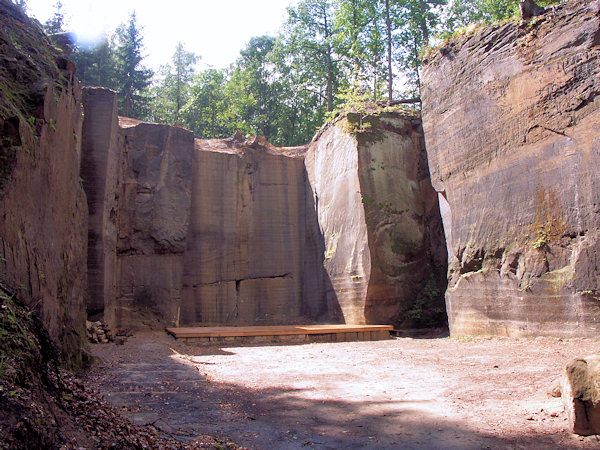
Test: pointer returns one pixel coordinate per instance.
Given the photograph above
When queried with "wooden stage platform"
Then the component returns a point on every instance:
(281, 334)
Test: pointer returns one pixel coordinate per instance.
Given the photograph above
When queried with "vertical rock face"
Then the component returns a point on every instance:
(511, 118)
(99, 171)
(378, 215)
(153, 220)
(251, 247)
(234, 232)
(43, 230)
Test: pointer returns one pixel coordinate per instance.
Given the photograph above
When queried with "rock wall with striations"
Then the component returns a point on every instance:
(511, 116)
(43, 225)
(253, 251)
(239, 232)
(100, 164)
(379, 217)
(153, 215)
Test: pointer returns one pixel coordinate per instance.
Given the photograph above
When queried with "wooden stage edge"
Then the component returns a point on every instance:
(280, 334)
(273, 330)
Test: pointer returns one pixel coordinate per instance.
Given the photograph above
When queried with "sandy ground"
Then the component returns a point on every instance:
(441, 393)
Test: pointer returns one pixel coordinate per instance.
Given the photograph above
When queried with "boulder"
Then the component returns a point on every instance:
(511, 117)
(580, 389)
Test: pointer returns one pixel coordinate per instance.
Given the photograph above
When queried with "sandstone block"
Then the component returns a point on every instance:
(43, 230)
(580, 388)
(100, 164)
(379, 218)
(153, 219)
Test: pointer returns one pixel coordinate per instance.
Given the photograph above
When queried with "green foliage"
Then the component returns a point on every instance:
(172, 92)
(16, 343)
(427, 310)
(55, 24)
(97, 65)
(541, 240)
(362, 116)
(132, 78)
(205, 112)
(461, 13)
(330, 57)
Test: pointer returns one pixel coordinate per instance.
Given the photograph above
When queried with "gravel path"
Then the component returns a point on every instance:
(401, 393)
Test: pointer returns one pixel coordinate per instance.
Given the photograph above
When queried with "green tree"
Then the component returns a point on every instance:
(461, 13)
(96, 65)
(306, 44)
(131, 77)
(172, 92)
(415, 21)
(55, 24)
(351, 19)
(254, 74)
(205, 113)
(364, 30)
(389, 46)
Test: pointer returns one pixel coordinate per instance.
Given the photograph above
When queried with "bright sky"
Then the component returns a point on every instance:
(214, 29)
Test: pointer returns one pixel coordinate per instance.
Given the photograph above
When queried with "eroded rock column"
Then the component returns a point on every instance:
(100, 174)
(379, 218)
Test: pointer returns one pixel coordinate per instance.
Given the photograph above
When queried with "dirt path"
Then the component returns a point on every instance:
(401, 393)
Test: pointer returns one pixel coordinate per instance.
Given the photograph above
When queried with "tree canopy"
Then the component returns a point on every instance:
(327, 52)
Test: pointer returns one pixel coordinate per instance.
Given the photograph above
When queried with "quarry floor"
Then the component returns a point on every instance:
(441, 393)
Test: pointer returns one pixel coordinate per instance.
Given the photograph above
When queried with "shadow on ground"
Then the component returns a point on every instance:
(153, 381)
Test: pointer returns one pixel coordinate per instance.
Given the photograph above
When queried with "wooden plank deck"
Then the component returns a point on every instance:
(272, 330)
(284, 334)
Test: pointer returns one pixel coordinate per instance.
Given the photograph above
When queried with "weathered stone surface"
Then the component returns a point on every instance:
(253, 252)
(376, 209)
(100, 164)
(580, 389)
(43, 226)
(153, 219)
(511, 125)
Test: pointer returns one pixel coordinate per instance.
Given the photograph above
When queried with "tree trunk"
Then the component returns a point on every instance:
(388, 24)
(329, 88)
(424, 30)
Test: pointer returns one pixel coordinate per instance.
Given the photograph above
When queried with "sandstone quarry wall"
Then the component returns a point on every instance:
(153, 219)
(247, 247)
(43, 230)
(379, 218)
(100, 175)
(511, 118)
(239, 232)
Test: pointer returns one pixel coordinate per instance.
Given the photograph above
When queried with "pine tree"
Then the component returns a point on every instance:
(55, 23)
(96, 66)
(173, 91)
(131, 77)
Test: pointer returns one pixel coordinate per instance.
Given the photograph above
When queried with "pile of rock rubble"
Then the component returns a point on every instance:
(100, 333)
